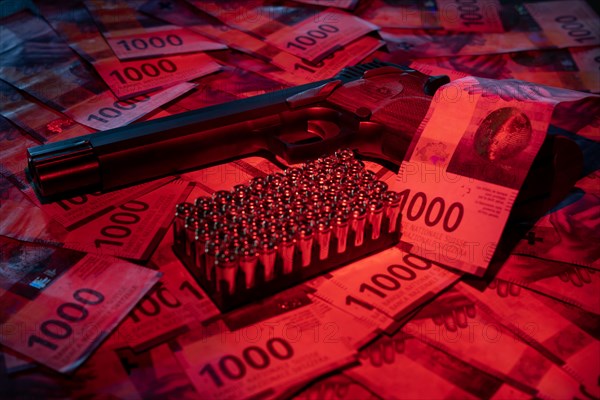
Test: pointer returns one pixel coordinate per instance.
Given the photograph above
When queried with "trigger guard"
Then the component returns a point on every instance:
(327, 129)
(294, 153)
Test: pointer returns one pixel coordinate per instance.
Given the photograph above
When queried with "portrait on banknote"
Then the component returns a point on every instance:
(492, 153)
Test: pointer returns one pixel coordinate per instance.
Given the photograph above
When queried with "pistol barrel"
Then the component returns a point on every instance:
(135, 153)
(138, 152)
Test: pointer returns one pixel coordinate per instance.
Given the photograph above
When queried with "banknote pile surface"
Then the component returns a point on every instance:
(473, 303)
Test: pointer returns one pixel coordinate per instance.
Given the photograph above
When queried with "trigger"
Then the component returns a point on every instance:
(313, 95)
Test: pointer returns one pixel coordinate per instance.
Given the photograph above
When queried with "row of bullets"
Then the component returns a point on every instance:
(284, 221)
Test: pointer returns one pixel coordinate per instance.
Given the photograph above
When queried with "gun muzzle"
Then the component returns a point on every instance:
(64, 167)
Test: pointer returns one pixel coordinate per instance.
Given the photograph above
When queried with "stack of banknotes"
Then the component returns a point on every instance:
(471, 304)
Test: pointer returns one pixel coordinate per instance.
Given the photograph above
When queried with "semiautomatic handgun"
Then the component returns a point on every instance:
(373, 109)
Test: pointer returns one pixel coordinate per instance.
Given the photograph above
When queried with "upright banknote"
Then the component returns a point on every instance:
(466, 164)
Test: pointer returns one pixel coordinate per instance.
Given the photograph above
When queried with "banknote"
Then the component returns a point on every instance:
(335, 387)
(426, 372)
(571, 68)
(123, 373)
(302, 343)
(398, 14)
(569, 283)
(538, 25)
(39, 382)
(39, 121)
(43, 66)
(245, 61)
(128, 78)
(133, 229)
(11, 361)
(200, 96)
(34, 59)
(13, 145)
(240, 82)
(170, 308)
(586, 126)
(267, 59)
(451, 15)
(107, 111)
(483, 171)
(101, 112)
(345, 4)
(116, 15)
(345, 56)
(131, 34)
(539, 323)
(476, 16)
(110, 373)
(392, 283)
(181, 13)
(21, 220)
(160, 42)
(76, 211)
(456, 324)
(425, 67)
(130, 230)
(569, 233)
(58, 305)
(308, 33)
(298, 72)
